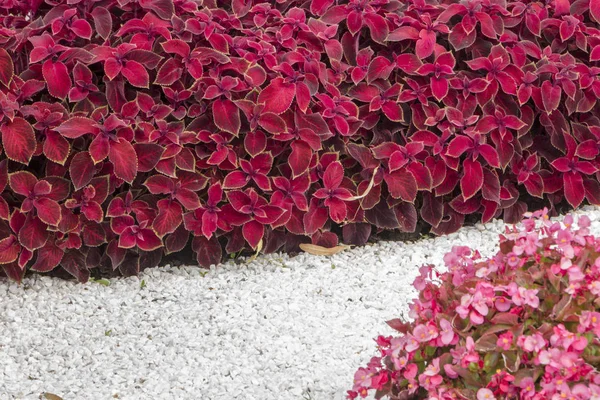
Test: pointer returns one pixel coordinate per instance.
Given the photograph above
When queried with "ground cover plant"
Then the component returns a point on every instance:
(131, 128)
(523, 324)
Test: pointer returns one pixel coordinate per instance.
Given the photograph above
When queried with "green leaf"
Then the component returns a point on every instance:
(103, 281)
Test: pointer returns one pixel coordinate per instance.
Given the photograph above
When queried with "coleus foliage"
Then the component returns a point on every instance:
(130, 127)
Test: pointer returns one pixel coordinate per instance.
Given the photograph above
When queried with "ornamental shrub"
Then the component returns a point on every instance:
(523, 324)
(130, 126)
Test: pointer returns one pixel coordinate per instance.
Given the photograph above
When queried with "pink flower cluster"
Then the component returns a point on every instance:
(523, 324)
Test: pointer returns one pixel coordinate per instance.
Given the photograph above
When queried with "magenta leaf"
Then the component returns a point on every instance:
(18, 139)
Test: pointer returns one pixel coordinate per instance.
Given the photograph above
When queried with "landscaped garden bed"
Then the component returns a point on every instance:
(136, 133)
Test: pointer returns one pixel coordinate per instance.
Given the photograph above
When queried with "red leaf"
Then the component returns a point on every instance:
(76, 127)
(278, 96)
(208, 251)
(408, 63)
(460, 39)
(74, 263)
(160, 184)
(82, 28)
(402, 185)
(300, 157)
(169, 217)
(315, 218)
(148, 241)
(177, 241)
(425, 45)
(81, 169)
(574, 188)
(393, 111)
(272, 123)
(595, 10)
(163, 8)
(550, 96)
(93, 211)
(22, 182)
(377, 26)
(332, 178)
(47, 210)
(102, 21)
(169, 72)
(124, 158)
(337, 209)
(472, 179)
(379, 68)
(356, 233)
(406, 214)
(57, 78)
(255, 142)
(136, 74)
(56, 148)
(253, 232)
(226, 116)
(148, 155)
(9, 249)
(235, 180)
(188, 199)
(33, 234)
(6, 67)
(432, 209)
(19, 141)
(48, 258)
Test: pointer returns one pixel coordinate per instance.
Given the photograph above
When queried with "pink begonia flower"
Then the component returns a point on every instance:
(513, 260)
(578, 392)
(584, 221)
(424, 275)
(485, 394)
(412, 344)
(581, 392)
(379, 380)
(425, 333)
(410, 374)
(362, 378)
(505, 340)
(527, 386)
(594, 392)
(529, 297)
(532, 343)
(400, 363)
(568, 221)
(573, 288)
(564, 239)
(448, 334)
(594, 287)
(566, 339)
(589, 320)
(521, 296)
(479, 303)
(575, 274)
(528, 245)
(450, 371)
(429, 383)
(397, 345)
(502, 304)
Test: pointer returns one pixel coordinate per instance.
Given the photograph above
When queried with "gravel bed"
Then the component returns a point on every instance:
(276, 328)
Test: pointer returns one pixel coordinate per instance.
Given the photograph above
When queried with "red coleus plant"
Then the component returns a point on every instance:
(232, 122)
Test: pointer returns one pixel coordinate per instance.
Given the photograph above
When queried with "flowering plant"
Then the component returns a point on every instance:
(523, 324)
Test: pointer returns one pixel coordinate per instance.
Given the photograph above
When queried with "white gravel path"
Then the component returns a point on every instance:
(277, 328)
